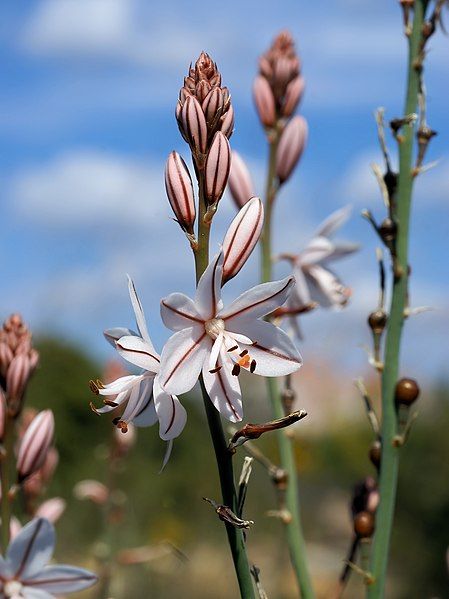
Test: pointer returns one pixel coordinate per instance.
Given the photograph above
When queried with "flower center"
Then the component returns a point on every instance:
(214, 327)
(13, 588)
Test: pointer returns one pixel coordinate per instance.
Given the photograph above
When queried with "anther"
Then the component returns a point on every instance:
(244, 352)
(94, 387)
(215, 370)
(111, 403)
(116, 421)
(123, 426)
(236, 370)
(252, 367)
(233, 348)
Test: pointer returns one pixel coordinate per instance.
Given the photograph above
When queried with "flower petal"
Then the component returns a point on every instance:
(326, 288)
(121, 384)
(139, 352)
(138, 312)
(207, 296)
(118, 401)
(35, 593)
(179, 312)
(171, 413)
(223, 389)
(300, 295)
(343, 249)
(32, 548)
(319, 248)
(61, 579)
(114, 334)
(146, 416)
(137, 400)
(334, 222)
(182, 359)
(257, 302)
(274, 351)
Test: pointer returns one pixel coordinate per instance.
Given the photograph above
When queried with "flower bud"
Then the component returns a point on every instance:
(35, 444)
(179, 188)
(213, 106)
(264, 100)
(364, 525)
(17, 378)
(194, 125)
(52, 509)
(227, 122)
(406, 392)
(218, 164)
(293, 95)
(6, 356)
(240, 183)
(93, 490)
(2, 414)
(241, 237)
(291, 146)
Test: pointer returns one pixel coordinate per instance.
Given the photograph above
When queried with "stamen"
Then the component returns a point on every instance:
(215, 370)
(244, 352)
(255, 343)
(244, 361)
(233, 348)
(116, 420)
(252, 367)
(94, 387)
(99, 384)
(236, 370)
(111, 403)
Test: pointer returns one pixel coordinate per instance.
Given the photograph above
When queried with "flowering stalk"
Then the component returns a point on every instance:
(293, 527)
(401, 214)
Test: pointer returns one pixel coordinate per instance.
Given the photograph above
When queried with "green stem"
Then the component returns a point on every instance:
(222, 455)
(295, 536)
(5, 473)
(390, 454)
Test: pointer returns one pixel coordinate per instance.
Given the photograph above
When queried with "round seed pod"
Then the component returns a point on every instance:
(406, 392)
(388, 229)
(377, 321)
(364, 525)
(375, 452)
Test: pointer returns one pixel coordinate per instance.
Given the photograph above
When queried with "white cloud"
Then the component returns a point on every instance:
(91, 188)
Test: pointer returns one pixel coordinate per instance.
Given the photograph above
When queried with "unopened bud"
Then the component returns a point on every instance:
(2, 414)
(240, 183)
(17, 378)
(377, 321)
(387, 231)
(179, 188)
(6, 355)
(364, 525)
(241, 237)
(213, 106)
(264, 100)
(293, 95)
(52, 509)
(406, 392)
(194, 125)
(218, 164)
(92, 490)
(35, 444)
(291, 147)
(227, 122)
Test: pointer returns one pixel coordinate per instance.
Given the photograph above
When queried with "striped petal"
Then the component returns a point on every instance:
(32, 548)
(139, 352)
(171, 413)
(61, 579)
(179, 312)
(207, 296)
(318, 249)
(138, 312)
(223, 389)
(146, 415)
(182, 359)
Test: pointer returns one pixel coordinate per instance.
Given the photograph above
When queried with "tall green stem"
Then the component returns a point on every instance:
(5, 472)
(295, 536)
(390, 453)
(222, 455)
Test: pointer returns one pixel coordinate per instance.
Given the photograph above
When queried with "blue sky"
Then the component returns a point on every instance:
(86, 122)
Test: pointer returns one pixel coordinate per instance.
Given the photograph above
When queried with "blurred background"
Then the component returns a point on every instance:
(88, 90)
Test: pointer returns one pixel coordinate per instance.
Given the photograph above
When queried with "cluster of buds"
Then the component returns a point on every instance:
(18, 360)
(206, 121)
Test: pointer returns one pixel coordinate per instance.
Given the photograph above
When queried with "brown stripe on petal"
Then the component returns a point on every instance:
(225, 392)
(138, 351)
(277, 354)
(181, 313)
(185, 356)
(266, 299)
(27, 552)
(173, 415)
(49, 581)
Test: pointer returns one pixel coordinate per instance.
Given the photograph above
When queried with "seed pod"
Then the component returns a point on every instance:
(406, 392)
(377, 321)
(387, 230)
(240, 183)
(293, 95)
(194, 125)
(179, 188)
(375, 453)
(241, 237)
(35, 444)
(218, 164)
(264, 100)
(291, 147)
(364, 525)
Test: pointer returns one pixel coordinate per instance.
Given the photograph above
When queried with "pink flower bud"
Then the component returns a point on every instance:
(264, 100)
(35, 444)
(227, 122)
(291, 146)
(213, 105)
(293, 95)
(194, 124)
(17, 378)
(178, 185)
(123, 443)
(93, 490)
(6, 356)
(218, 164)
(52, 509)
(240, 183)
(2, 413)
(241, 237)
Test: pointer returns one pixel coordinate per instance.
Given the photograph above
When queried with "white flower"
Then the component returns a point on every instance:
(220, 341)
(24, 572)
(315, 282)
(144, 400)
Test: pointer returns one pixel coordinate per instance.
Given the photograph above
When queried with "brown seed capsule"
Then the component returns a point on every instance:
(377, 321)
(388, 230)
(375, 453)
(364, 525)
(406, 392)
